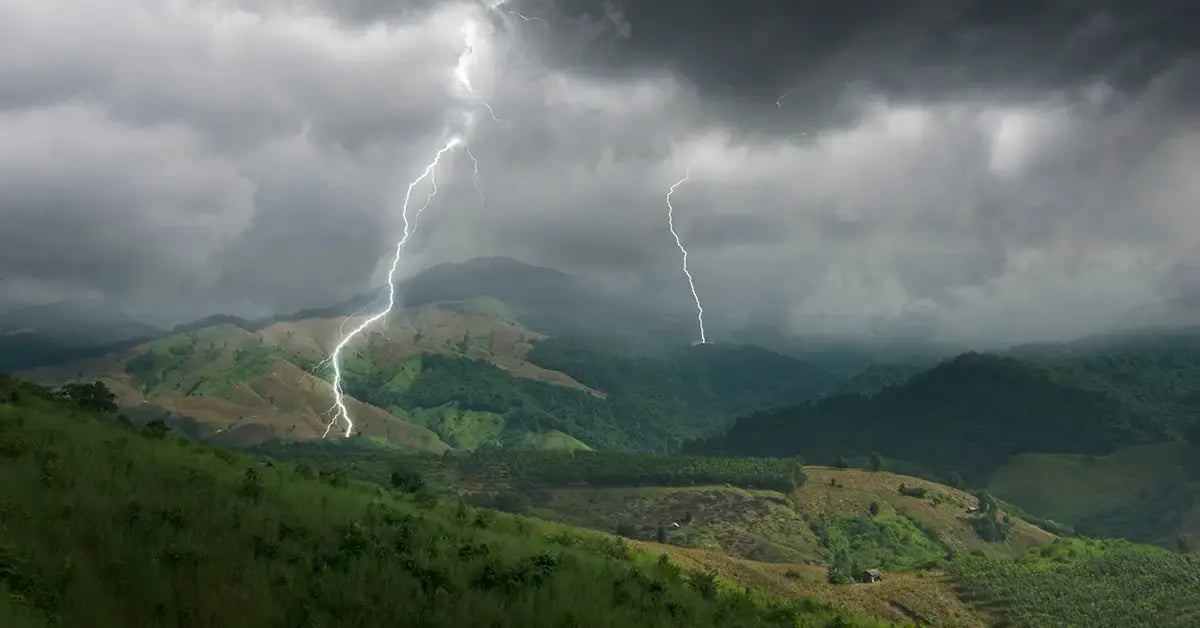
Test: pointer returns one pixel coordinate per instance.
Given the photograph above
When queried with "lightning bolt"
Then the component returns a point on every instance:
(339, 410)
(779, 101)
(671, 225)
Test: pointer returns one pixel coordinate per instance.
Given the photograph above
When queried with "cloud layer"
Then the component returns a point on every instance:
(252, 156)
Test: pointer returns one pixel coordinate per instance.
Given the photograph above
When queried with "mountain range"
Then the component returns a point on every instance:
(494, 353)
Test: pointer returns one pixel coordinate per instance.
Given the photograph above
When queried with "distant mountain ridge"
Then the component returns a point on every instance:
(487, 353)
(966, 416)
(64, 330)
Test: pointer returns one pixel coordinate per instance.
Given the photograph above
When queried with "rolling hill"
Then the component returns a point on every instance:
(64, 330)
(459, 374)
(965, 416)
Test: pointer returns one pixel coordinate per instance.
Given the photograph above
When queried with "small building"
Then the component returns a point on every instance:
(871, 575)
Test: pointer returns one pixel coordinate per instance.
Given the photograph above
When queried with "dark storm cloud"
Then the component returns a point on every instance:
(819, 55)
(978, 170)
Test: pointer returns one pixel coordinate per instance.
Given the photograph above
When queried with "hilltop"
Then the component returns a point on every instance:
(440, 374)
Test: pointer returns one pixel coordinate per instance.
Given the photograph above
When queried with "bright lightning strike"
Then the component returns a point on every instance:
(691, 283)
(339, 410)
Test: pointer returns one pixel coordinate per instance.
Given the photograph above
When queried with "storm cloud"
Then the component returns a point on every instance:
(952, 169)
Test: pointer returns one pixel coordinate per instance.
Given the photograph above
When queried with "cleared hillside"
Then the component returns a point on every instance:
(460, 374)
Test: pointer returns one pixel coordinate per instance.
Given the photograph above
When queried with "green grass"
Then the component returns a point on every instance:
(106, 525)
(206, 362)
(1140, 493)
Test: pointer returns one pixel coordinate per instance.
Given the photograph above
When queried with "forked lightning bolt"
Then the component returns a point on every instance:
(671, 225)
(339, 410)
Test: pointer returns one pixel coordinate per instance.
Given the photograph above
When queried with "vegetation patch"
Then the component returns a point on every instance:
(1086, 583)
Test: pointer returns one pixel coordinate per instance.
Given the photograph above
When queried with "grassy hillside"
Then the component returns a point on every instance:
(926, 598)
(462, 374)
(1148, 493)
(1086, 583)
(966, 416)
(105, 524)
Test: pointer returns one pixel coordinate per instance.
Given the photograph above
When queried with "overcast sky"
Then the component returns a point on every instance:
(956, 169)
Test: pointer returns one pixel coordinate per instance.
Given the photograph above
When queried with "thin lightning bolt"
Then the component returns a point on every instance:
(338, 410)
(671, 225)
(779, 101)
(475, 175)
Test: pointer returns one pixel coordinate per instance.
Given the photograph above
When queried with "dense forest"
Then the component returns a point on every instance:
(110, 524)
(651, 403)
(964, 416)
(1156, 374)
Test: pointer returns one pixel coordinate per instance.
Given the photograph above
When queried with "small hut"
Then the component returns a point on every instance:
(871, 575)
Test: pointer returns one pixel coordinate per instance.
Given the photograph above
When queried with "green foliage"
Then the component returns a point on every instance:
(876, 461)
(887, 541)
(103, 527)
(1155, 374)
(969, 414)
(650, 404)
(1087, 583)
(95, 396)
(912, 491)
(407, 480)
(720, 381)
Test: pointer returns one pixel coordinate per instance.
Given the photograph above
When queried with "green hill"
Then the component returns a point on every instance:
(965, 416)
(877, 377)
(1149, 493)
(459, 374)
(109, 525)
(1155, 373)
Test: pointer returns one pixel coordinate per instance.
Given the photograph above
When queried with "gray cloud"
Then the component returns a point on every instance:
(952, 170)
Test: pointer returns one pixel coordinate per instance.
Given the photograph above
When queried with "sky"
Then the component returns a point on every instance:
(943, 169)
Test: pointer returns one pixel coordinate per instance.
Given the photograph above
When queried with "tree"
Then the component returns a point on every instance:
(626, 529)
(841, 463)
(660, 534)
(876, 461)
(95, 396)
(987, 503)
(407, 481)
(874, 508)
